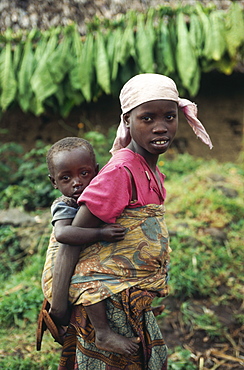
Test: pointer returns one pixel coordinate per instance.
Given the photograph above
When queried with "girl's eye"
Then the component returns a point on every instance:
(65, 178)
(146, 118)
(84, 173)
(170, 117)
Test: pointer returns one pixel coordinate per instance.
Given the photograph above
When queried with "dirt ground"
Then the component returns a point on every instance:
(221, 352)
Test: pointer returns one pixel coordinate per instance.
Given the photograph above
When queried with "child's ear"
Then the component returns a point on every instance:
(126, 119)
(97, 168)
(53, 181)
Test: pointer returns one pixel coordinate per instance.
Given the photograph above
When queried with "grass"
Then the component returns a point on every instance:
(18, 350)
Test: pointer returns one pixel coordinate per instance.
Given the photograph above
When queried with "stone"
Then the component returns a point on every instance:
(16, 217)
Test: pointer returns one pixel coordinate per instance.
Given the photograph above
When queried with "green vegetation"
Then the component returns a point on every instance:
(205, 215)
(58, 68)
(25, 180)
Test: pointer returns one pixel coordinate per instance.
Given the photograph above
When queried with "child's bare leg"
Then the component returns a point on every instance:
(105, 338)
(66, 259)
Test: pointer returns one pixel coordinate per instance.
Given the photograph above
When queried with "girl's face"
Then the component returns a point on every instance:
(153, 126)
(73, 171)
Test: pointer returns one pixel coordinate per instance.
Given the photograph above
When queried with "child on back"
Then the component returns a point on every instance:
(72, 165)
(130, 190)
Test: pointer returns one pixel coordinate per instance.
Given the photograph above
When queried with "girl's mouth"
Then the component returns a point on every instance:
(160, 142)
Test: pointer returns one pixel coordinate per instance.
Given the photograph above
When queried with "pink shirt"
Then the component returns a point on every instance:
(110, 192)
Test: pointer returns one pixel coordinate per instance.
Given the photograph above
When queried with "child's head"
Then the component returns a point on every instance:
(149, 87)
(72, 165)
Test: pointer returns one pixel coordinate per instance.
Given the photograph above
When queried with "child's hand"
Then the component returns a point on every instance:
(113, 232)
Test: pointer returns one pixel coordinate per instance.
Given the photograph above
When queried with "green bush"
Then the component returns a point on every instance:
(21, 294)
(20, 307)
(29, 186)
(25, 180)
(11, 157)
(101, 144)
(180, 165)
(10, 252)
(201, 263)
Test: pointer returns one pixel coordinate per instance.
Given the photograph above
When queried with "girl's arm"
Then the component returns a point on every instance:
(93, 231)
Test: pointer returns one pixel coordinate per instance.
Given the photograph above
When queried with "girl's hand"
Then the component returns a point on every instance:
(112, 233)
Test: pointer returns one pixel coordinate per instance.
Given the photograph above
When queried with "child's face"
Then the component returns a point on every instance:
(153, 126)
(73, 171)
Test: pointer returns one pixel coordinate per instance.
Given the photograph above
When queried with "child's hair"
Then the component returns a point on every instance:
(68, 144)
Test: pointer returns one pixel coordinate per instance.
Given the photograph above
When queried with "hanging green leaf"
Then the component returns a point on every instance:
(234, 28)
(225, 65)
(113, 44)
(218, 43)
(127, 44)
(149, 26)
(75, 51)
(196, 33)
(59, 68)
(195, 82)
(72, 98)
(25, 72)
(59, 61)
(206, 29)
(82, 74)
(164, 53)
(17, 55)
(144, 46)
(41, 82)
(102, 64)
(7, 78)
(60, 95)
(187, 63)
(41, 45)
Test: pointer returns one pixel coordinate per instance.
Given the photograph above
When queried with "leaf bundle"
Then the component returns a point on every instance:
(58, 68)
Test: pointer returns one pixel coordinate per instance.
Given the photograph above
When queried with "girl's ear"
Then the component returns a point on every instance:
(53, 181)
(126, 118)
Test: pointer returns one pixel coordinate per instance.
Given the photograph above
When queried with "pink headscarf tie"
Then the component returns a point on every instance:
(147, 87)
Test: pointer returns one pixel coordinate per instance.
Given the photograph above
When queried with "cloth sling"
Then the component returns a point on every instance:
(105, 269)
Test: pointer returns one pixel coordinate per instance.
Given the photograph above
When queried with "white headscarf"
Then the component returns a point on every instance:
(147, 87)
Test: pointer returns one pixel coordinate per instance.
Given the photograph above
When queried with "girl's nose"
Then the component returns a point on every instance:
(160, 127)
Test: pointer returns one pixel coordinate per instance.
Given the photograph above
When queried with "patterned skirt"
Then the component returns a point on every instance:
(129, 314)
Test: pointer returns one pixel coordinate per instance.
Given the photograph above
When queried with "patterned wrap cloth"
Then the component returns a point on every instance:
(105, 269)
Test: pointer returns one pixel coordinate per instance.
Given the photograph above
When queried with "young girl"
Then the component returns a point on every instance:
(129, 190)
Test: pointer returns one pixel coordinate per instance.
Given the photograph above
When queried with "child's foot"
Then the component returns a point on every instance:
(61, 322)
(113, 342)
(62, 330)
(57, 331)
(60, 318)
(158, 310)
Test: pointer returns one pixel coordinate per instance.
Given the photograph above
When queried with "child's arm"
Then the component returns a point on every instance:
(66, 233)
(67, 257)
